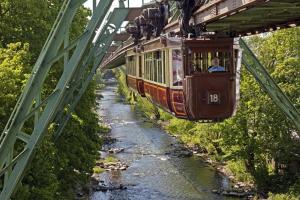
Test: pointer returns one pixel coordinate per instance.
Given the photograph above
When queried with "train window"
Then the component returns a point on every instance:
(150, 59)
(154, 67)
(201, 61)
(140, 66)
(164, 67)
(177, 68)
(158, 61)
(147, 63)
(131, 66)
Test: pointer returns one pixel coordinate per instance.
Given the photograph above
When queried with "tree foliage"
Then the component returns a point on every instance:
(14, 62)
(260, 134)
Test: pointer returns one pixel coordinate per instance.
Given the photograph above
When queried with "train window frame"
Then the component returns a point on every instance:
(223, 53)
(167, 68)
(199, 60)
(139, 66)
(163, 66)
(130, 65)
(154, 67)
(171, 68)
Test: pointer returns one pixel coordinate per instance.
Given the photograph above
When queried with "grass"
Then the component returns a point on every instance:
(110, 159)
(98, 170)
(282, 197)
(238, 169)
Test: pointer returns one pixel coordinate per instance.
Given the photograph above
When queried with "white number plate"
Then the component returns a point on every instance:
(214, 98)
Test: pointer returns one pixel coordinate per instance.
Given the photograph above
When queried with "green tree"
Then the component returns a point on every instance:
(14, 62)
(57, 165)
(260, 132)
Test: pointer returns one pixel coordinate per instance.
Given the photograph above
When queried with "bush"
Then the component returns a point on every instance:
(238, 169)
(282, 197)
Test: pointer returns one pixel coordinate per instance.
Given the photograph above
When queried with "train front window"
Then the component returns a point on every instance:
(205, 61)
(177, 67)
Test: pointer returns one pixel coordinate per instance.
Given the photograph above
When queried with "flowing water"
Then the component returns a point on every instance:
(151, 174)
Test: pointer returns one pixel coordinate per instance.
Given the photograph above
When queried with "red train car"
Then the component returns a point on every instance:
(196, 79)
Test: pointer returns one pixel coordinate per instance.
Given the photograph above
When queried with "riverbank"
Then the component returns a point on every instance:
(181, 130)
(141, 161)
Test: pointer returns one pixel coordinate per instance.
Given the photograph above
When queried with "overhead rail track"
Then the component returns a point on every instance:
(245, 17)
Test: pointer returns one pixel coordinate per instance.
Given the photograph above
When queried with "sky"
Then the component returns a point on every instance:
(132, 3)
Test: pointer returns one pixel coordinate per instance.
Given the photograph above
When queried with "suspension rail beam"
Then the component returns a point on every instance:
(262, 76)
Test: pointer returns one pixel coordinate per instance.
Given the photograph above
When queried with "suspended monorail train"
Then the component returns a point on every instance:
(175, 73)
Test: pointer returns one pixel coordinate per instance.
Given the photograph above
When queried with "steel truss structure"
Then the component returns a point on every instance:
(17, 145)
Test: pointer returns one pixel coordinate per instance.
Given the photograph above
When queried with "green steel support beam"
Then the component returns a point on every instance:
(174, 12)
(99, 50)
(268, 84)
(94, 5)
(13, 163)
(25, 102)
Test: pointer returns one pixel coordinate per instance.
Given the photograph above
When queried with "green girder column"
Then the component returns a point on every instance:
(96, 55)
(174, 12)
(13, 161)
(253, 65)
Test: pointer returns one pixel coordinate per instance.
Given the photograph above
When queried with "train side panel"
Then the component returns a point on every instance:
(158, 94)
(140, 87)
(177, 103)
(132, 83)
(210, 96)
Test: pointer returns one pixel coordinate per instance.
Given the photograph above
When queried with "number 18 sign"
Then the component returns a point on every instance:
(214, 98)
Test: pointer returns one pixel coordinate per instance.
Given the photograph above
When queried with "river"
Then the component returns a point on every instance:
(151, 174)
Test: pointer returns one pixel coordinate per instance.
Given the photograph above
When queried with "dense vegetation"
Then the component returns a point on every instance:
(259, 144)
(61, 167)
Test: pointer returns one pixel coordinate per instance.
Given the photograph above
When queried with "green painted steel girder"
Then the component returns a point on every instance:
(105, 39)
(13, 163)
(262, 76)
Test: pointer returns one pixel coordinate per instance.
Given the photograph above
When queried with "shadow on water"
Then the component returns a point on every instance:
(152, 174)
